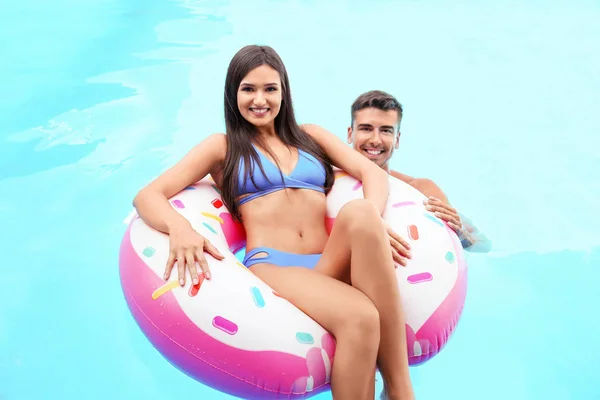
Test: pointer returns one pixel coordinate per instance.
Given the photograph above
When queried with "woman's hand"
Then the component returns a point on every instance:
(187, 248)
(400, 247)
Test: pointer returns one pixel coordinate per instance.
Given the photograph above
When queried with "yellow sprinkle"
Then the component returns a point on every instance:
(215, 217)
(241, 265)
(164, 289)
(339, 175)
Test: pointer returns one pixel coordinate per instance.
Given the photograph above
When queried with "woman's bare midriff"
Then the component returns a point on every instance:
(290, 220)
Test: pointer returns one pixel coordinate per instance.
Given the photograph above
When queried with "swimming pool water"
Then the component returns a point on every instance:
(500, 110)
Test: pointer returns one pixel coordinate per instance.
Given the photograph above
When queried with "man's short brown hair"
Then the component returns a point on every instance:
(376, 99)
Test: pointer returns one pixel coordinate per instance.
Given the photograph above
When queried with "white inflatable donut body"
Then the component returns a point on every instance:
(235, 334)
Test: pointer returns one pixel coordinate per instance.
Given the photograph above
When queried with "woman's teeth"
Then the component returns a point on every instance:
(259, 110)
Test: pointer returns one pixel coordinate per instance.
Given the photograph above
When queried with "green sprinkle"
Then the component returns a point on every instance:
(149, 251)
(304, 338)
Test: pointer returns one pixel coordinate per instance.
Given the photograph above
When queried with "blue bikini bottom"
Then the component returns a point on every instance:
(271, 256)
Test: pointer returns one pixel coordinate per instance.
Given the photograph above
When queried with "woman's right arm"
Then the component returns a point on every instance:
(186, 246)
(152, 202)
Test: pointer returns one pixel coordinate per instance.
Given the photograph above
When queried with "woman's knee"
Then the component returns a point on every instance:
(361, 325)
(360, 218)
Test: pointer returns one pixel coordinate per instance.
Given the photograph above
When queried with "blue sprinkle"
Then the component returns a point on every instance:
(190, 188)
(304, 338)
(434, 219)
(216, 189)
(209, 227)
(257, 296)
(449, 257)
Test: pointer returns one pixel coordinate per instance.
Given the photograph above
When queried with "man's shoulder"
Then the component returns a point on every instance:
(403, 177)
(411, 180)
(424, 185)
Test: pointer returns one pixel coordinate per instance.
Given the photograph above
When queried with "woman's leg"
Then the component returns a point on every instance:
(359, 241)
(345, 312)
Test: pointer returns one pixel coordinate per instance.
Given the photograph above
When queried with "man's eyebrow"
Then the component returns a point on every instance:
(370, 126)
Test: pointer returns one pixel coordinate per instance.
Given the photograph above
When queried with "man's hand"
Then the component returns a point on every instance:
(444, 212)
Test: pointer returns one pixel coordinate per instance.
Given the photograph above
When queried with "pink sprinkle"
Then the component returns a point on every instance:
(357, 186)
(421, 277)
(404, 203)
(178, 204)
(225, 325)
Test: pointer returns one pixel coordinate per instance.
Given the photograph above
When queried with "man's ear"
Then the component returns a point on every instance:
(349, 135)
(397, 141)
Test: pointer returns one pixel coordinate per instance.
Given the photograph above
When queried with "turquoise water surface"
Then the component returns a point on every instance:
(501, 110)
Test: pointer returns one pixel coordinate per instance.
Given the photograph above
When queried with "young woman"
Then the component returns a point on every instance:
(274, 176)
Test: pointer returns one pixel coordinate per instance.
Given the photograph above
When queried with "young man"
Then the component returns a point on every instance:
(375, 133)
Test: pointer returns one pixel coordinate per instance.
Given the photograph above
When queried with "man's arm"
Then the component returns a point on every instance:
(470, 237)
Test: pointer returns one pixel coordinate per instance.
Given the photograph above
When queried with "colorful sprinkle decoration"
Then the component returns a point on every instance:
(178, 204)
(213, 216)
(304, 338)
(209, 227)
(434, 219)
(149, 251)
(194, 289)
(404, 204)
(413, 232)
(420, 277)
(225, 325)
(259, 301)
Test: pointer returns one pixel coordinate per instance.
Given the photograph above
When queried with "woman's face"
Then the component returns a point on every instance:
(259, 96)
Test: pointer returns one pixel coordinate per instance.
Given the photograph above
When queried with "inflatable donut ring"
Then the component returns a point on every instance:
(235, 334)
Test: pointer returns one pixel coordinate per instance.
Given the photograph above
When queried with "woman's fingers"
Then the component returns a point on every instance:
(190, 260)
(205, 270)
(181, 266)
(212, 250)
(398, 259)
(170, 265)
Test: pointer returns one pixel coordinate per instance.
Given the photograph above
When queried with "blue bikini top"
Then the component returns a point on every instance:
(307, 174)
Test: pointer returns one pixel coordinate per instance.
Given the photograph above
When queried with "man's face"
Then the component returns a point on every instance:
(375, 134)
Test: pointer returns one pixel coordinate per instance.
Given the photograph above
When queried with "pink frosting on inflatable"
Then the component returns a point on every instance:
(247, 374)
(234, 232)
(436, 331)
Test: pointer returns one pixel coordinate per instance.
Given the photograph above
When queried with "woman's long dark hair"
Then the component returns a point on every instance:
(241, 133)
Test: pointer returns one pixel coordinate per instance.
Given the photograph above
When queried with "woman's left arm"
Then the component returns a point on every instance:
(374, 179)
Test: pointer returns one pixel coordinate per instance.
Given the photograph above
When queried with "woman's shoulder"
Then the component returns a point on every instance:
(216, 143)
(218, 138)
(212, 150)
